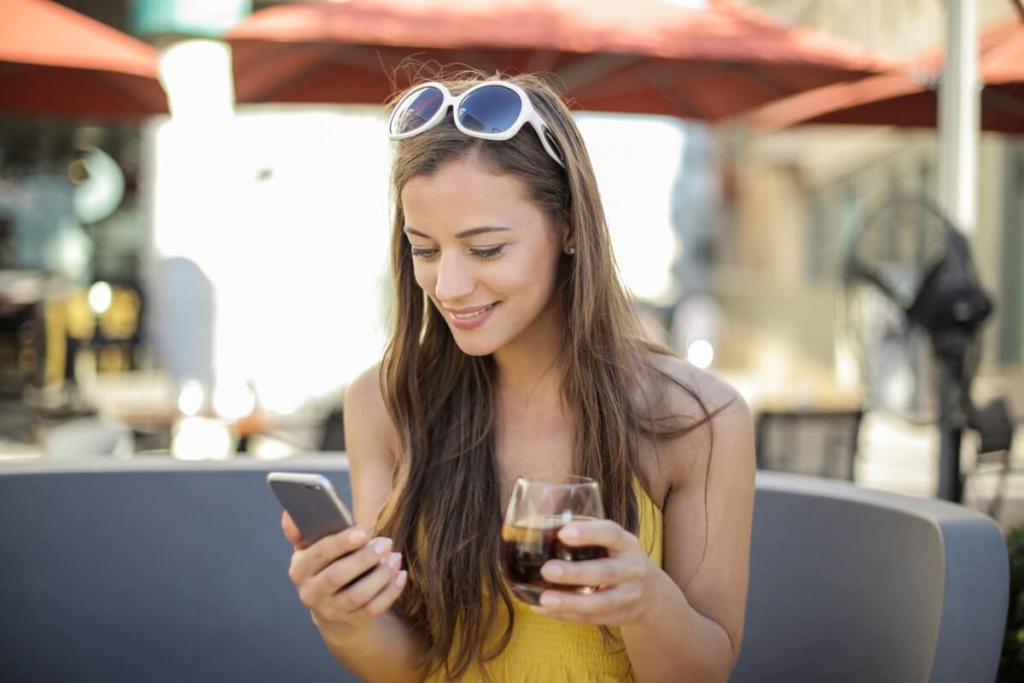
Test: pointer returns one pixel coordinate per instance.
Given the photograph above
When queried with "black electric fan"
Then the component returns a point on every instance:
(913, 314)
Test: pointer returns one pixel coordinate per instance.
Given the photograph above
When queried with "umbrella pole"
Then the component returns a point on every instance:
(959, 97)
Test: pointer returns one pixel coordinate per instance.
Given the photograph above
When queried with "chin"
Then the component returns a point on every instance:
(473, 347)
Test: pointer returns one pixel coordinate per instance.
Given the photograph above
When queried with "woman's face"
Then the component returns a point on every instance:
(479, 242)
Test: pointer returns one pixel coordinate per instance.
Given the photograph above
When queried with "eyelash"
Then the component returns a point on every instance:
(482, 254)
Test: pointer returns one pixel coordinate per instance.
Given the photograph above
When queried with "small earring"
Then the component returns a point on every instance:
(570, 250)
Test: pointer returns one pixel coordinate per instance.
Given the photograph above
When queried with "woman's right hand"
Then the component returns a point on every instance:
(321, 573)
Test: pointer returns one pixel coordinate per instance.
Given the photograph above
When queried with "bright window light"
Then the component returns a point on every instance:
(196, 74)
(191, 397)
(233, 400)
(100, 297)
(201, 438)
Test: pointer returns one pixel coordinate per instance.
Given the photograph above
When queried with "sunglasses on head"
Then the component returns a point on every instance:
(493, 110)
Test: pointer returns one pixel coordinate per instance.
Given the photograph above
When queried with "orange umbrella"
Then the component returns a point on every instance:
(900, 99)
(640, 56)
(55, 61)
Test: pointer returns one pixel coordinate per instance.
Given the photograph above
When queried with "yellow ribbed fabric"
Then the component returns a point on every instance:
(551, 651)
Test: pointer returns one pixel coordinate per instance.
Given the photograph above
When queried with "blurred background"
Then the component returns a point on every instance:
(194, 216)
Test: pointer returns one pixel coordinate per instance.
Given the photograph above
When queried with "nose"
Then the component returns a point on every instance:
(455, 280)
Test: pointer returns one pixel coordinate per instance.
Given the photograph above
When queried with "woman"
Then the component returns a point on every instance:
(514, 352)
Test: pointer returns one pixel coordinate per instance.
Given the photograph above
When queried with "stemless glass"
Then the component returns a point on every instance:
(538, 508)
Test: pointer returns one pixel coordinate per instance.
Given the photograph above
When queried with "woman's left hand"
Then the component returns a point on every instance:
(626, 578)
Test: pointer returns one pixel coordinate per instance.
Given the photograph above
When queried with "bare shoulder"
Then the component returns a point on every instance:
(718, 396)
(372, 445)
(366, 414)
(695, 396)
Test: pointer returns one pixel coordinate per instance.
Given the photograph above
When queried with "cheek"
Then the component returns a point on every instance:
(424, 277)
(516, 277)
(524, 275)
(529, 284)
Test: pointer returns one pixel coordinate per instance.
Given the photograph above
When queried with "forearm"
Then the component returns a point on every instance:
(674, 642)
(386, 651)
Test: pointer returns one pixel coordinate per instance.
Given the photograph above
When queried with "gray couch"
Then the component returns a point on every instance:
(153, 570)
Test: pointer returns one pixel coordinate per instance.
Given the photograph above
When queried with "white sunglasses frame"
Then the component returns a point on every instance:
(527, 114)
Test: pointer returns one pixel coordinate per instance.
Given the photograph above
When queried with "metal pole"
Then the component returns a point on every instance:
(951, 421)
(959, 103)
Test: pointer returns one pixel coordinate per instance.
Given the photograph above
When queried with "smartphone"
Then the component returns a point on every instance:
(313, 504)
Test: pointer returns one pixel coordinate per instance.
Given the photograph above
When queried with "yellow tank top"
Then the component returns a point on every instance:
(548, 650)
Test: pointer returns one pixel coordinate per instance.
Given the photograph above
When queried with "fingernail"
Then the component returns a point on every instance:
(553, 570)
(569, 533)
(548, 600)
(357, 536)
(400, 581)
(394, 560)
(381, 545)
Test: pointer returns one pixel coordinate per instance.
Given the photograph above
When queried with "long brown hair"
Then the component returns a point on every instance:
(444, 512)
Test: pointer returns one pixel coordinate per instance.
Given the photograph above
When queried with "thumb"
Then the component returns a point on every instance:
(291, 532)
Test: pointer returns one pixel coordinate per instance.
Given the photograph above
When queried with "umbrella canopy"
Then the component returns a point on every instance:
(55, 61)
(644, 56)
(911, 99)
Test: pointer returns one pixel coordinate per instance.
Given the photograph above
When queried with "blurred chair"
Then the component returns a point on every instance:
(89, 437)
(815, 443)
(994, 426)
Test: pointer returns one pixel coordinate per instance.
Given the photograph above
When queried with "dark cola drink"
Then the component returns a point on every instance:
(526, 546)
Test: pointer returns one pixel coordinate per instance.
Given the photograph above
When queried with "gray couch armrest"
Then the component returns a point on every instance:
(850, 584)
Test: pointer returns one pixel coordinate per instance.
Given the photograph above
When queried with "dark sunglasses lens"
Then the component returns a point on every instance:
(554, 146)
(491, 109)
(416, 109)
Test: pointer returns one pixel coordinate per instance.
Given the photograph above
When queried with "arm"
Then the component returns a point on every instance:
(702, 626)
(386, 651)
(356, 622)
(684, 621)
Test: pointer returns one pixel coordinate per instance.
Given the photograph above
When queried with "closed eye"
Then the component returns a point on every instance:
(486, 254)
(482, 254)
(423, 253)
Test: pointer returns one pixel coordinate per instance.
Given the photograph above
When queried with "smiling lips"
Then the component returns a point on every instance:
(467, 313)
(468, 318)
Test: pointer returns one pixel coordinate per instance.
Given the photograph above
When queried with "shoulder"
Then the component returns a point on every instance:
(368, 426)
(689, 395)
(684, 390)
(372, 445)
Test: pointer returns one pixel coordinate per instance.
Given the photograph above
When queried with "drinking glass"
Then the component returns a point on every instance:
(538, 508)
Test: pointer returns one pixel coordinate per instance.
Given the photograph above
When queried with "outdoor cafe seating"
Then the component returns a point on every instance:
(152, 569)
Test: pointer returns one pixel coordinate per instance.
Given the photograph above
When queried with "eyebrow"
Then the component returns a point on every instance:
(462, 235)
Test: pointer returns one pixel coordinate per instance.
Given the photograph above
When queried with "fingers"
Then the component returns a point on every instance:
(602, 532)
(622, 577)
(313, 560)
(605, 572)
(291, 531)
(325, 582)
(611, 606)
(385, 598)
(358, 595)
